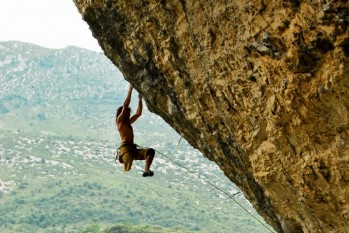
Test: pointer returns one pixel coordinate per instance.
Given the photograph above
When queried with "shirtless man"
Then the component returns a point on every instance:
(128, 150)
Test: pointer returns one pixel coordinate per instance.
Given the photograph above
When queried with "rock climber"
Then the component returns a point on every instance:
(128, 151)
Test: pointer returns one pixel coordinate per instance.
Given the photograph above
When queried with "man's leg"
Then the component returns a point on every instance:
(149, 159)
(146, 154)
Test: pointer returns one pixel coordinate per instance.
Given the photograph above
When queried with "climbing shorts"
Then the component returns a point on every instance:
(129, 152)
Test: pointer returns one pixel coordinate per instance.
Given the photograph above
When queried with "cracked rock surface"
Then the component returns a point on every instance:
(259, 87)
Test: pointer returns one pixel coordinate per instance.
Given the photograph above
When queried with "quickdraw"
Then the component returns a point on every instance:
(118, 156)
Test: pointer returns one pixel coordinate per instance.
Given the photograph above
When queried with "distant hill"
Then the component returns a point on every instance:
(46, 89)
(57, 145)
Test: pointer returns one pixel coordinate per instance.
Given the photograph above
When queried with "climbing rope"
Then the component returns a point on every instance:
(213, 185)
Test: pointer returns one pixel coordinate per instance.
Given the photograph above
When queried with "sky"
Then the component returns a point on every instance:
(48, 23)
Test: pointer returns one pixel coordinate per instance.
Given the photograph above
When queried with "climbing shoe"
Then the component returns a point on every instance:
(149, 173)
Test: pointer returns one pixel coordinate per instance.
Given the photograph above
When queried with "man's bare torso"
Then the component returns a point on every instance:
(126, 132)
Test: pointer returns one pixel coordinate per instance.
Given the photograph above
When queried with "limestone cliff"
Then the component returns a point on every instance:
(260, 87)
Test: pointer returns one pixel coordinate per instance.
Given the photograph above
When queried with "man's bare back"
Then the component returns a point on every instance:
(126, 132)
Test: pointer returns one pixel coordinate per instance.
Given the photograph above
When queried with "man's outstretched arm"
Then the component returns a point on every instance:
(128, 97)
(125, 106)
(139, 110)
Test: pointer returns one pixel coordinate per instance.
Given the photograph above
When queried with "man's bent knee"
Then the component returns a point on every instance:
(151, 152)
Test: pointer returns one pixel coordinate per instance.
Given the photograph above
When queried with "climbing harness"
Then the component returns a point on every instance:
(118, 154)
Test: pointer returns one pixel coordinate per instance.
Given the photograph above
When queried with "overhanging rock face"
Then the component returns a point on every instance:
(259, 87)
